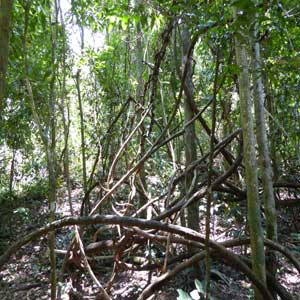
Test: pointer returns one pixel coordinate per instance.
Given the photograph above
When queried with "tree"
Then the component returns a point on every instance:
(5, 19)
(264, 156)
(48, 139)
(190, 147)
(253, 202)
(141, 101)
(161, 101)
(82, 131)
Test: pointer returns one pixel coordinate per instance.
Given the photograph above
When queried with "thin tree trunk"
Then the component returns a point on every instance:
(190, 138)
(51, 153)
(48, 141)
(5, 20)
(253, 202)
(170, 144)
(12, 172)
(82, 133)
(140, 100)
(264, 158)
(66, 120)
(210, 179)
(273, 131)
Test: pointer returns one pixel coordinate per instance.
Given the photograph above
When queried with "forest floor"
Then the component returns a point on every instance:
(26, 276)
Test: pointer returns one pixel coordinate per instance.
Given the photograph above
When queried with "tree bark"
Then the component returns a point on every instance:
(64, 112)
(82, 132)
(190, 147)
(210, 180)
(51, 145)
(253, 202)
(48, 140)
(264, 157)
(273, 129)
(140, 100)
(12, 172)
(5, 20)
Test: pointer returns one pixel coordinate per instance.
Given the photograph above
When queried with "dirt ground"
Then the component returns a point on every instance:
(26, 276)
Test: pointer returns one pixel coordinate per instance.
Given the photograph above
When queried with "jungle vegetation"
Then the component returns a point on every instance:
(169, 131)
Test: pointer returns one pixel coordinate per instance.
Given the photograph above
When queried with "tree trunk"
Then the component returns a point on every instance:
(264, 158)
(65, 119)
(5, 20)
(49, 141)
(210, 179)
(190, 146)
(51, 146)
(82, 134)
(253, 203)
(140, 100)
(273, 129)
(12, 172)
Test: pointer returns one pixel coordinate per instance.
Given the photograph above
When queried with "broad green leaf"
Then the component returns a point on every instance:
(200, 286)
(183, 295)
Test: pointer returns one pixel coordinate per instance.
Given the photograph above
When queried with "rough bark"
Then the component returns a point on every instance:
(5, 20)
(190, 147)
(51, 146)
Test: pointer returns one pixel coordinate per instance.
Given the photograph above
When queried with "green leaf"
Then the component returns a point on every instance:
(221, 275)
(199, 286)
(183, 295)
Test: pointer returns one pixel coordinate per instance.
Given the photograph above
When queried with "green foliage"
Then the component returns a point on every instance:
(109, 76)
(196, 294)
(183, 295)
(23, 214)
(200, 286)
(37, 191)
(12, 202)
(7, 199)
